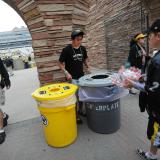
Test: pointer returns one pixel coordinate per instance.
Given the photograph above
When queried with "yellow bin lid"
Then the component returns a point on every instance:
(54, 91)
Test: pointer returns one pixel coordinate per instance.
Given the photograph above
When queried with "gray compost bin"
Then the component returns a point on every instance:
(102, 101)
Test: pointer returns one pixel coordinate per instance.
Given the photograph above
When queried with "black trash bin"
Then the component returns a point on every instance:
(102, 101)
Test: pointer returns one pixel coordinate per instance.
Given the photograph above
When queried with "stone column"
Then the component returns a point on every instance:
(50, 24)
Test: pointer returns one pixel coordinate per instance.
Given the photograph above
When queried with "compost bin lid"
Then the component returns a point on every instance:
(96, 80)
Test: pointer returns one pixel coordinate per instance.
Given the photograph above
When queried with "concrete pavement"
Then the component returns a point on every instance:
(25, 140)
(19, 103)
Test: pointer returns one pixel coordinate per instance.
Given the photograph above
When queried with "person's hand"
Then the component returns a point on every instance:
(128, 84)
(68, 76)
(141, 79)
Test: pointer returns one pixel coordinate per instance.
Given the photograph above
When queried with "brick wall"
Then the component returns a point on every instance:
(111, 24)
(50, 24)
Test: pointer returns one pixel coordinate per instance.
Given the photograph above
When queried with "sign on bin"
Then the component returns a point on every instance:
(44, 120)
(104, 107)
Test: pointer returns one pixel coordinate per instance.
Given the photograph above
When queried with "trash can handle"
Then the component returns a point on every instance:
(54, 89)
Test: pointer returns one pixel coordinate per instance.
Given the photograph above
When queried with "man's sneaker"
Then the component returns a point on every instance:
(2, 136)
(142, 155)
(5, 119)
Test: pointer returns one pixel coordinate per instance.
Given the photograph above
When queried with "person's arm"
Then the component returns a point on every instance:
(153, 76)
(5, 75)
(62, 67)
(139, 86)
(86, 62)
(132, 84)
(61, 64)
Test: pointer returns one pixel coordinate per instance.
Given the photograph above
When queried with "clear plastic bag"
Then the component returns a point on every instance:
(101, 94)
(124, 74)
(58, 103)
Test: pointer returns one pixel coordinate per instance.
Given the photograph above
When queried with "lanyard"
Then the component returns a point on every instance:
(77, 58)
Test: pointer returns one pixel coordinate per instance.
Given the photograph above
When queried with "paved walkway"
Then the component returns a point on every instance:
(19, 103)
(25, 139)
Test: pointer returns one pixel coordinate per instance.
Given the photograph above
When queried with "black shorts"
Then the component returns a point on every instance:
(152, 129)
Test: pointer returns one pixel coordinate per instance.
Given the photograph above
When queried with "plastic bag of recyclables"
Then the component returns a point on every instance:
(124, 74)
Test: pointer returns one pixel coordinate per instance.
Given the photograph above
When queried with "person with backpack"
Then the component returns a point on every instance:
(137, 54)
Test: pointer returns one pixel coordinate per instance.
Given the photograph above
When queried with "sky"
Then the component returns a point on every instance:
(9, 18)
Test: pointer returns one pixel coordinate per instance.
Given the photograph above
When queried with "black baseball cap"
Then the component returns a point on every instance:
(76, 33)
(155, 27)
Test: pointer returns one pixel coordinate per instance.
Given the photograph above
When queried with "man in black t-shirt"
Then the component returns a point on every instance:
(73, 57)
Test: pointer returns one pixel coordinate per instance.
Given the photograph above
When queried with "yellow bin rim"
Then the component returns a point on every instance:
(54, 91)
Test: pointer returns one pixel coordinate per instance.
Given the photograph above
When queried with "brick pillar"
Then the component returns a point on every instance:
(50, 24)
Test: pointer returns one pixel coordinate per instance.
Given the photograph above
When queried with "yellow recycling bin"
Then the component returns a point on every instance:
(57, 103)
